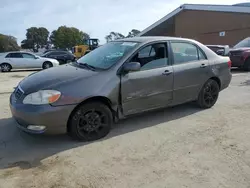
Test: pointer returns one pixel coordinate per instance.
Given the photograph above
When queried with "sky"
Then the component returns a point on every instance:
(95, 17)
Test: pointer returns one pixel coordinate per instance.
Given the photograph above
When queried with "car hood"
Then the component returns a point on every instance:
(49, 78)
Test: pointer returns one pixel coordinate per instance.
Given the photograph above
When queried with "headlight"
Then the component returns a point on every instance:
(42, 97)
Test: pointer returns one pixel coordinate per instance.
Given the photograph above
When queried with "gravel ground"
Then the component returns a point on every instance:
(179, 147)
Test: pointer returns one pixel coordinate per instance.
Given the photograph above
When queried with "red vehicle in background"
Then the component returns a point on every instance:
(240, 54)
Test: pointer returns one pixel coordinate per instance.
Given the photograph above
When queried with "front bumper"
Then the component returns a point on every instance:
(55, 63)
(53, 118)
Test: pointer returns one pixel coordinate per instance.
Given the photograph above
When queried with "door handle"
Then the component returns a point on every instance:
(166, 73)
(203, 65)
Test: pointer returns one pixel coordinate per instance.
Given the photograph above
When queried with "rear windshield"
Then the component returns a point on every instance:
(243, 44)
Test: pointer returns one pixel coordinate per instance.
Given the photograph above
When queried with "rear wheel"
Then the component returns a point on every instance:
(47, 65)
(5, 67)
(247, 65)
(208, 94)
(90, 121)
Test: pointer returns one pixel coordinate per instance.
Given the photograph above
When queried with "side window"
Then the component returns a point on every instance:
(14, 55)
(30, 56)
(79, 50)
(146, 52)
(201, 55)
(52, 53)
(184, 52)
(56, 53)
(154, 56)
(8, 55)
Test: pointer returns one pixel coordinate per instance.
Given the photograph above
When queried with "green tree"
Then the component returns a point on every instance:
(67, 37)
(133, 33)
(36, 37)
(114, 36)
(8, 43)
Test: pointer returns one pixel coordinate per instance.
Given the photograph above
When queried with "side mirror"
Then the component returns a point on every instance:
(131, 66)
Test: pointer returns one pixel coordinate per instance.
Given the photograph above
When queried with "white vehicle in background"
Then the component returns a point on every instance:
(24, 60)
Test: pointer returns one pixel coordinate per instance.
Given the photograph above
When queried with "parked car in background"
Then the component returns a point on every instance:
(240, 54)
(116, 80)
(222, 50)
(24, 60)
(62, 56)
(52, 49)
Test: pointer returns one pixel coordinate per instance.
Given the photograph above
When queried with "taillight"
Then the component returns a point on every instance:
(229, 63)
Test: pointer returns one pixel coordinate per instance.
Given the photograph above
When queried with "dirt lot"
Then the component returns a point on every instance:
(177, 147)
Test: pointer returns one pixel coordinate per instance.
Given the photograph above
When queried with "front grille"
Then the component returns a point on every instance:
(18, 93)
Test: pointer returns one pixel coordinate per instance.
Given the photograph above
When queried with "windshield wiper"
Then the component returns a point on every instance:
(88, 66)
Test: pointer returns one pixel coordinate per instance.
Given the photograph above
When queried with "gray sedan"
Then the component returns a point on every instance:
(116, 80)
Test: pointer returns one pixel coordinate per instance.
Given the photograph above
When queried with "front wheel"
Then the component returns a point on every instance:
(47, 65)
(208, 94)
(90, 122)
(5, 67)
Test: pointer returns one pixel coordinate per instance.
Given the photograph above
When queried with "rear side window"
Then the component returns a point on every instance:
(186, 52)
(14, 55)
(201, 55)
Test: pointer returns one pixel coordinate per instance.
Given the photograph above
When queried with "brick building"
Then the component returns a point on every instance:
(209, 24)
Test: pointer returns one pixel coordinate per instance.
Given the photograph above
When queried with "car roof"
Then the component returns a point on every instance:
(19, 52)
(152, 39)
(61, 51)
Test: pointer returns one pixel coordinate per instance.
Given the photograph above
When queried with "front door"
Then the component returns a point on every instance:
(191, 70)
(152, 86)
(31, 61)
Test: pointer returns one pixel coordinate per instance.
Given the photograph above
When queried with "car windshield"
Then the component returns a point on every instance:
(244, 43)
(107, 55)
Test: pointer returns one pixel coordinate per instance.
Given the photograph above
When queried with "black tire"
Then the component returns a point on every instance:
(90, 121)
(246, 66)
(208, 94)
(47, 65)
(6, 67)
(61, 62)
(68, 61)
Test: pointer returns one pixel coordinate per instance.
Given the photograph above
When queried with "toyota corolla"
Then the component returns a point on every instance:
(116, 80)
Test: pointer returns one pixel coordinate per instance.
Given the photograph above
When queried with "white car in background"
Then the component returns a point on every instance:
(24, 60)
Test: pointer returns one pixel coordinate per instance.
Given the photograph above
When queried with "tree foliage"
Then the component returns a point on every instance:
(36, 37)
(8, 43)
(67, 37)
(115, 35)
(133, 33)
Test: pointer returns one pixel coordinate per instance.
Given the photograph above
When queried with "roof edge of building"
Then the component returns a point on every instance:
(202, 7)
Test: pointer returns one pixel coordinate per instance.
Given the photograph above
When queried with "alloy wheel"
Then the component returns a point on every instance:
(91, 123)
(210, 94)
(5, 68)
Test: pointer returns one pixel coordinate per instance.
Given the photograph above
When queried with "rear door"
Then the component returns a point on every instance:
(16, 60)
(191, 70)
(152, 86)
